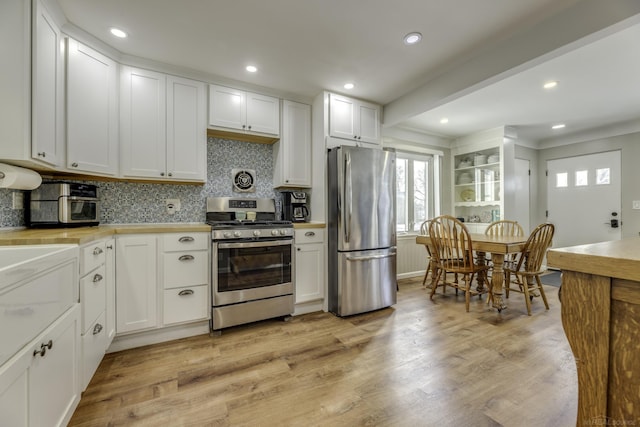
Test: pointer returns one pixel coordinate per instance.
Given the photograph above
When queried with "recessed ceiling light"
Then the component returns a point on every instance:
(349, 86)
(558, 126)
(251, 68)
(118, 33)
(412, 38)
(444, 120)
(550, 85)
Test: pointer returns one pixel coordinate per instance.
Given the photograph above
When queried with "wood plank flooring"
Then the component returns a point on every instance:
(419, 363)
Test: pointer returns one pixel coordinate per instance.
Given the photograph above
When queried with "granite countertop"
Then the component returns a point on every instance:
(309, 225)
(618, 258)
(82, 235)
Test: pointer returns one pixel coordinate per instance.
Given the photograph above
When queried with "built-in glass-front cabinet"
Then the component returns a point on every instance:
(477, 186)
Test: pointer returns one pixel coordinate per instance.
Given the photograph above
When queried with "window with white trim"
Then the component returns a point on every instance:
(416, 182)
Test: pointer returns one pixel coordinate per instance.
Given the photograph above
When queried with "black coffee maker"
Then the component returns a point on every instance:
(294, 206)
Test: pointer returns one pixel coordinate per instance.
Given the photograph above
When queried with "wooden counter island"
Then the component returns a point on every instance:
(600, 297)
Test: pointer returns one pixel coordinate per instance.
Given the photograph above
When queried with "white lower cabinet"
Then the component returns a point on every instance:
(310, 269)
(136, 283)
(40, 385)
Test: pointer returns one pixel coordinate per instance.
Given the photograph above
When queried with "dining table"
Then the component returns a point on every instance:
(498, 247)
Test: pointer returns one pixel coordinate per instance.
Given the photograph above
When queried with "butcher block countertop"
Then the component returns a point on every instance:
(81, 235)
(619, 259)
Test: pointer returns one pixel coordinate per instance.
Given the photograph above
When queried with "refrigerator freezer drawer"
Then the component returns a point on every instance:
(366, 281)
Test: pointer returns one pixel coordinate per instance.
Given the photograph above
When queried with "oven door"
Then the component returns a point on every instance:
(246, 271)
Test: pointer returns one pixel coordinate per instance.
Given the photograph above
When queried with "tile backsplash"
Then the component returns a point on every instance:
(138, 202)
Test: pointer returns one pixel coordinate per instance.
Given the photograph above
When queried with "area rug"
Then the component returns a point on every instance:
(552, 278)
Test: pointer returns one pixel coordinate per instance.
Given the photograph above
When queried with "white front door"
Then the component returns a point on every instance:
(584, 198)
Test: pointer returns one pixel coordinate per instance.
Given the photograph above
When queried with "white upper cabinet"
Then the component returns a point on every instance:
(92, 111)
(47, 97)
(292, 154)
(186, 129)
(162, 126)
(243, 111)
(354, 120)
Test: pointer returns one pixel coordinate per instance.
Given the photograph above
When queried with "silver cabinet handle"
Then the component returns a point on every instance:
(161, 173)
(109, 246)
(97, 251)
(43, 154)
(170, 174)
(309, 234)
(97, 278)
(186, 258)
(185, 239)
(185, 292)
(43, 349)
(74, 165)
(97, 329)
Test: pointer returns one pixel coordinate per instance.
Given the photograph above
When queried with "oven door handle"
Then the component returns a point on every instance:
(259, 244)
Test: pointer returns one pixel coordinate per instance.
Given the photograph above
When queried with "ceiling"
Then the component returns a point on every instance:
(480, 64)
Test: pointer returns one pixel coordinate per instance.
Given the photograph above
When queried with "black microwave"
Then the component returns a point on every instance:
(63, 204)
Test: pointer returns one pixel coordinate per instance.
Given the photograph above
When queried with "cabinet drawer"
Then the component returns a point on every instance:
(185, 241)
(309, 235)
(185, 269)
(91, 256)
(186, 304)
(94, 344)
(93, 295)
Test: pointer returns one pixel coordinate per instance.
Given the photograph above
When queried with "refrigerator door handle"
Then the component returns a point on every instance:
(348, 191)
(370, 257)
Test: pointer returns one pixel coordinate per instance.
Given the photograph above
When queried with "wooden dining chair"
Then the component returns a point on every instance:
(424, 230)
(452, 252)
(503, 227)
(527, 268)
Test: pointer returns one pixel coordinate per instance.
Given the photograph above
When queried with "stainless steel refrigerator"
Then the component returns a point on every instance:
(362, 229)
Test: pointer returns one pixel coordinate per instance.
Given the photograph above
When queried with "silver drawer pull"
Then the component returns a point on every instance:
(185, 239)
(97, 251)
(185, 292)
(97, 278)
(97, 329)
(309, 234)
(186, 258)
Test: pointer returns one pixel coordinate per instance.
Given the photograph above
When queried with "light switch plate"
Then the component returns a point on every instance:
(636, 204)
(172, 205)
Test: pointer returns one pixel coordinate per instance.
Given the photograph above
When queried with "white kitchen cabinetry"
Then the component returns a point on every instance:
(136, 283)
(110, 271)
(242, 111)
(162, 126)
(95, 281)
(185, 278)
(32, 86)
(477, 188)
(92, 111)
(310, 266)
(354, 120)
(292, 153)
(40, 329)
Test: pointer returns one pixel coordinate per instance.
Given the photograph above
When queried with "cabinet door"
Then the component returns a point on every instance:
(14, 386)
(136, 283)
(227, 107)
(309, 272)
(368, 118)
(47, 98)
(54, 381)
(342, 111)
(143, 123)
(263, 114)
(293, 152)
(186, 129)
(92, 111)
(110, 281)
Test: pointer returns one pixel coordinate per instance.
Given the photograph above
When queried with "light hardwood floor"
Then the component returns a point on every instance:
(419, 363)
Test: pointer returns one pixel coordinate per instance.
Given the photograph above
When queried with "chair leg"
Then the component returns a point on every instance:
(467, 290)
(507, 283)
(434, 282)
(426, 273)
(542, 294)
(527, 298)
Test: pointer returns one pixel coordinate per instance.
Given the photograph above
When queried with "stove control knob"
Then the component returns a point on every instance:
(227, 234)
(274, 232)
(256, 233)
(283, 232)
(237, 233)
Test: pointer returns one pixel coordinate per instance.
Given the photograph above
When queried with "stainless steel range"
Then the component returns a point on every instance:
(252, 266)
